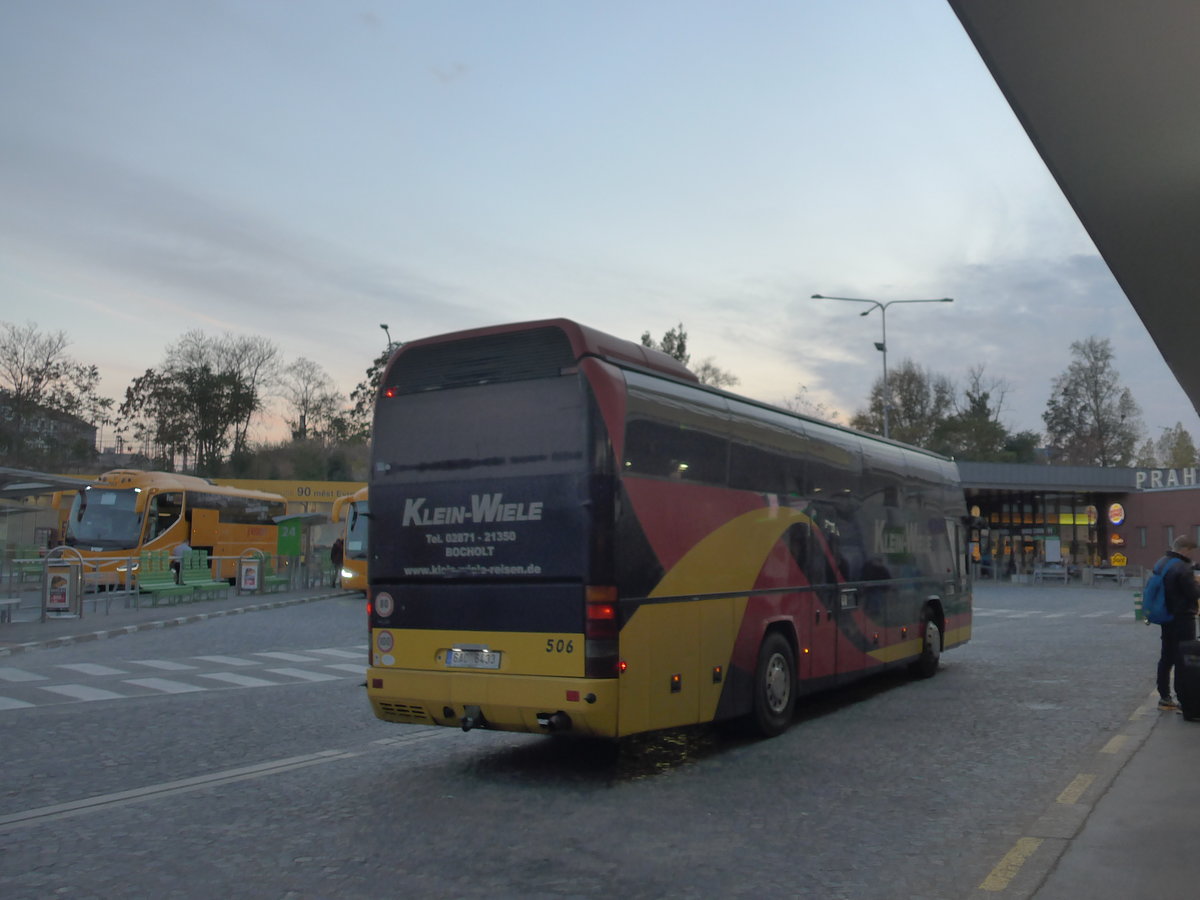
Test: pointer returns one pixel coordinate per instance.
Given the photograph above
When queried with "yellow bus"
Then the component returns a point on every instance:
(353, 510)
(126, 512)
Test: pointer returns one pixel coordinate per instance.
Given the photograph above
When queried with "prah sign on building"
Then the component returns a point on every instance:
(1166, 479)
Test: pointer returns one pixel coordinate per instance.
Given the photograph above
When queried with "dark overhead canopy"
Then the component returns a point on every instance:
(1110, 96)
(18, 483)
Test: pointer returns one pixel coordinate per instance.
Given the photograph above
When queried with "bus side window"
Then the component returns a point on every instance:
(672, 450)
(800, 546)
(163, 512)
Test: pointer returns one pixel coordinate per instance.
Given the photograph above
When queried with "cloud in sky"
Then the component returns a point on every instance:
(308, 171)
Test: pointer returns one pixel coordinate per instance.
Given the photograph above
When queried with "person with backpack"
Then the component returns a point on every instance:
(1182, 594)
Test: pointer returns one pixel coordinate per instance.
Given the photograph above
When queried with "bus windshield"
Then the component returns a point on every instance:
(356, 531)
(104, 519)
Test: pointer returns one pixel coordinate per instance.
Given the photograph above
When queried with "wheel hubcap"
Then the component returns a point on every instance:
(778, 684)
(933, 640)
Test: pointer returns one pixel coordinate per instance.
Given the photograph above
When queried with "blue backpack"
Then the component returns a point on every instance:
(1154, 595)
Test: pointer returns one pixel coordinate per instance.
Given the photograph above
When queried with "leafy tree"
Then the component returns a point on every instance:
(187, 413)
(199, 403)
(36, 374)
(1175, 448)
(1090, 419)
(154, 418)
(356, 423)
(1147, 456)
(1020, 447)
(251, 360)
(673, 343)
(920, 402)
(974, 431)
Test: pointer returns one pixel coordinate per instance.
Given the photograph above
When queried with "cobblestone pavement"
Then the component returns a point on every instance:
(286, 787)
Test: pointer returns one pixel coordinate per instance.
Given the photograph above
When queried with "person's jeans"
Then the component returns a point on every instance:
(1181, 628)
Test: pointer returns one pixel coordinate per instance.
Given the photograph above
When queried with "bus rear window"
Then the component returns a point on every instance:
(521, 428)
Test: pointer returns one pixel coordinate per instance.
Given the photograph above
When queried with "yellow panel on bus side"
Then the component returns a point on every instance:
(521, 653)
(671, 650)
(206, 528)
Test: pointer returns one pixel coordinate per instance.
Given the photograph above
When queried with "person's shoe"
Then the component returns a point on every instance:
(1166, 703)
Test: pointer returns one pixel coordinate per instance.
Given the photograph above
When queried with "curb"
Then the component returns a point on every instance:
(1045, 840)
(66, 640)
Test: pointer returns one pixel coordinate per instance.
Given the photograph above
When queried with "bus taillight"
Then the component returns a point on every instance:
(600, 629)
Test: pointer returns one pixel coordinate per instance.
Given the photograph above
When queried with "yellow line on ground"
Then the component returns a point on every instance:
(1007, 869)
(1075, 789)
(1115, 745)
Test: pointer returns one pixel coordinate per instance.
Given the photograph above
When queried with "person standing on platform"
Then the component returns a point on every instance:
(1182, 595)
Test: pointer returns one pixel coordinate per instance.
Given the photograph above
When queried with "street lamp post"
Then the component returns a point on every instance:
(881, 346)
(388, 333)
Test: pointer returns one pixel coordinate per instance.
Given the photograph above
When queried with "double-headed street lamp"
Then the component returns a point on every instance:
(881, 346)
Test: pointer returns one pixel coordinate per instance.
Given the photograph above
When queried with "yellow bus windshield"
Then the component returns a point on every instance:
(103, 519)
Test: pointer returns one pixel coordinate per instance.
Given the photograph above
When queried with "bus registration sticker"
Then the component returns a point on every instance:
(473, 659)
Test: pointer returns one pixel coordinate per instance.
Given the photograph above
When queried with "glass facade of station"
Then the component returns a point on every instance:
(1016, 531)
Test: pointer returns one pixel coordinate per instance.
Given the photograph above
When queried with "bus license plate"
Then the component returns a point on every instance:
(473, 659)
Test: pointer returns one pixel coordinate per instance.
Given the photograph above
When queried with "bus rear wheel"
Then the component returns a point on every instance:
(774, 686)
(926, 665)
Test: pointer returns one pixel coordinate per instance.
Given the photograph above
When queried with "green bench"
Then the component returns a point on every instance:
(27, 561)
(194, 572)
(273, 581)
(156, 578)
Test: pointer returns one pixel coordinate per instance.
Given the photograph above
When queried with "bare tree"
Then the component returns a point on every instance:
(252, 360)
(37, 374)
(803, 403)
(311, 397)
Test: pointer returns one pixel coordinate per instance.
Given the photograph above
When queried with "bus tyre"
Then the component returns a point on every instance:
(931, 649)
(774, 686)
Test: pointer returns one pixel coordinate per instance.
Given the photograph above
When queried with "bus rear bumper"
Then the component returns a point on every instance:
(529, 703)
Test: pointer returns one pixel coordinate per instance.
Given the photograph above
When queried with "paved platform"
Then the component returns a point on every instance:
(1126, 828)
(108, 615)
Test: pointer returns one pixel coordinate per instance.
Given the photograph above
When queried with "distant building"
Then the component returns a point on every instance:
(1027, 515)
(45, 432)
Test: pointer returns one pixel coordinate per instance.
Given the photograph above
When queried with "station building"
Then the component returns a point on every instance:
(1088, 518)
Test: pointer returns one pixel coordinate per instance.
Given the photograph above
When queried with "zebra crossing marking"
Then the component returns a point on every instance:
(227, 660)
(165, 685)
(305, 675)
(164, 665)
(237, 679)
(82, 692)
(92, 669)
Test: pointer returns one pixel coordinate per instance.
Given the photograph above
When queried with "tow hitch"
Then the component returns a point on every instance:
(472, 718)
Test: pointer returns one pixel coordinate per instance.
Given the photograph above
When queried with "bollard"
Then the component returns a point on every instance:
(1137, 607)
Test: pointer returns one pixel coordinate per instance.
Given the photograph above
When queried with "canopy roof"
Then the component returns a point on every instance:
(16, 484)
(1110, 96)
